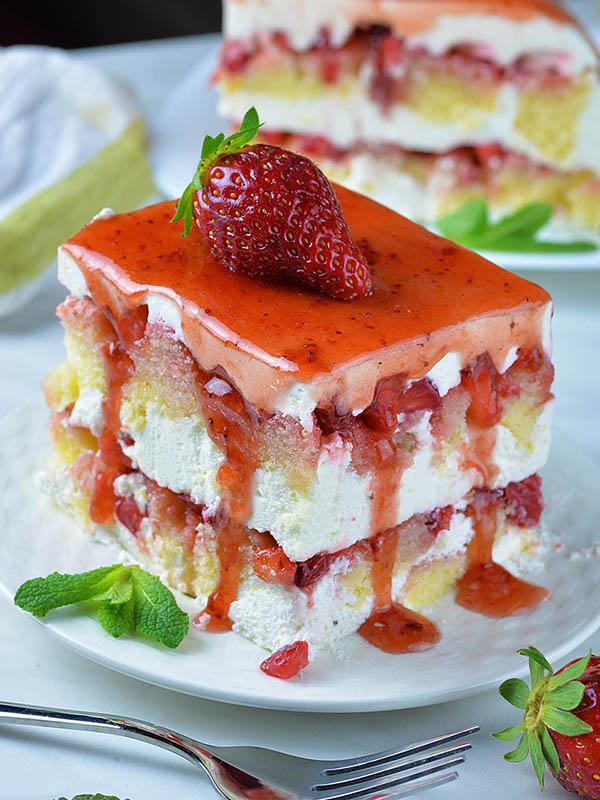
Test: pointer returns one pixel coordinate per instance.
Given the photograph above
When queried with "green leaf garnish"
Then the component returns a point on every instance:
(470, 219)
(469, 225)
(128, 599)
(525, 222)
(547, 705)
(212, 148)
(91, 797)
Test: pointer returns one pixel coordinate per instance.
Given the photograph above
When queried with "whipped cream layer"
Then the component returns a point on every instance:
(507, 30)
(334, 506)
(354, 117)
(290, 349)
(57, 113)
(272, 615)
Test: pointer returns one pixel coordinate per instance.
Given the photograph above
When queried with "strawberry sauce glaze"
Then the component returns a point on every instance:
(431, 297)
(392, 627)
(487, 587)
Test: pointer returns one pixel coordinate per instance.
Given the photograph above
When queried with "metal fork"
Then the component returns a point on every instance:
(246, 773)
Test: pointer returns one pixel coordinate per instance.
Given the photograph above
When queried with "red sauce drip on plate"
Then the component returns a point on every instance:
(487, 587)
(391, 627)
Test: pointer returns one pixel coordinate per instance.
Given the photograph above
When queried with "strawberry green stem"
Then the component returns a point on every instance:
(213, 147)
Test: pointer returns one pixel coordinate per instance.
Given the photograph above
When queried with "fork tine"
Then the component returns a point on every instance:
(414, 788)
(386, 756)
(371, 787)
(405, 766)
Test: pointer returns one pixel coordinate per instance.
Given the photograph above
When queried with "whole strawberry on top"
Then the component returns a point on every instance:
(561, 724)
(272, 213)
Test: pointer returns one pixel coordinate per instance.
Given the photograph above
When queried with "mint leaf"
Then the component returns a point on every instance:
(515, 233)
(117, 618)
(40, 595)
(121, 591)
(470, 218)
(128, 599)
(156, 614)
(521, 244)
(515, 691)
(92, 797)
(524, 222)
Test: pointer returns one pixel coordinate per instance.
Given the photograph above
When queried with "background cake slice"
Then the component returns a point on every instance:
(299, 463)
(425, 105)
(72, 141)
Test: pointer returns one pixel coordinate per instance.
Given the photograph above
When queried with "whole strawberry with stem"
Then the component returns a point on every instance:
(271, 213)
(561, 724)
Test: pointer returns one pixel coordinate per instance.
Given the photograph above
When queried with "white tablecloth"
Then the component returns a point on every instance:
(41, 764)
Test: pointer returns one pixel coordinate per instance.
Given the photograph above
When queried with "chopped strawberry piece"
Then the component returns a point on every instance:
(128, 514)
(392, 398)
(234, 55)
(439, 519)
(273, 566)
(490, 154)
(311, 570)
(524, 501)
(287, 661)
(481, 381)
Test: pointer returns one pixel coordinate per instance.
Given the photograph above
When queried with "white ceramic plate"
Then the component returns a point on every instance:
(191, 112)
(475, 652)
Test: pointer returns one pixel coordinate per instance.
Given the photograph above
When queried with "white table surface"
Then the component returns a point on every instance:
(42, 764)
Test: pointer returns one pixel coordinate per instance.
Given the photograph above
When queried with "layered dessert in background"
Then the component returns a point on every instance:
(72, 141)
(306, 467)
(426, 104)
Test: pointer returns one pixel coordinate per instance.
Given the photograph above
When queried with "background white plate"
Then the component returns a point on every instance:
(475, 652)
(191, 112)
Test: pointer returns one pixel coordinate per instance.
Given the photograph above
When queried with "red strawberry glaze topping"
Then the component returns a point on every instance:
(286, 662)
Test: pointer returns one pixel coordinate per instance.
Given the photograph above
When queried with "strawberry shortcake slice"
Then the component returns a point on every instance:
(310, 413)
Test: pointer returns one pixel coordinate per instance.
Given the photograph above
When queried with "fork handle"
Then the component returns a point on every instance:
(224, 777)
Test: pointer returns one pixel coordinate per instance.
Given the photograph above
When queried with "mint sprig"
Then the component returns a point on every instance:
(128, 600)
(92, 797)
(547, 705)
(212, 148)
(470, 226)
